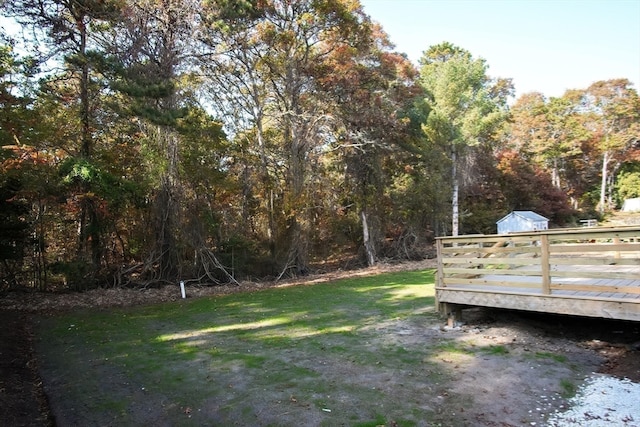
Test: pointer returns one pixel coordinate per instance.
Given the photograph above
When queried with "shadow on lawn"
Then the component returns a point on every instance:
(305, 310)
(214, 353)
(360, 351)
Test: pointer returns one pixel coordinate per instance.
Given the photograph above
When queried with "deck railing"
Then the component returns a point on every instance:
(598, 261)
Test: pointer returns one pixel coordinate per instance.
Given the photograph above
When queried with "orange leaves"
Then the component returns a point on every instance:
(24, 155)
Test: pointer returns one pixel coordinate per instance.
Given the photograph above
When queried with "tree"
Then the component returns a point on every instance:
(466, 107)
(614, 110)
(26, 174)
(151, 67)
(368, 88)
(628, 182)
(66, 29)
(150, 49)
(237, 85)
(525, 186)
(16, 93)
(549, 133)
(301, 35)
(13, 209)
(271, 55)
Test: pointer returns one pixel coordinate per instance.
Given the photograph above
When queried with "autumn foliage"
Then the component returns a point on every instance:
(148, 142)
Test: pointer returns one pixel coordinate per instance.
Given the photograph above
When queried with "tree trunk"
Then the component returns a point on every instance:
(455, 214)
(84, 96)
(166, 208)
(90, 246)
(555, 174)
(603, 184)
(267, 185)
(297, 258)
(369, 245)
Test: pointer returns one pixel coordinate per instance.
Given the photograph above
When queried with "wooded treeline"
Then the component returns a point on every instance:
(151, 141)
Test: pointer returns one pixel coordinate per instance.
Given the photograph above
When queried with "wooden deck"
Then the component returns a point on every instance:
(586, 272)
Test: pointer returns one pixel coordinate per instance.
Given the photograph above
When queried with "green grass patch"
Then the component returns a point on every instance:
(212, 356)
(495, 350)
(451, 346)
(560, 358)
(568, 388)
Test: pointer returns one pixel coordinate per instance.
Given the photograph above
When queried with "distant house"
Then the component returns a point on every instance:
(631, 205)
(522, 221)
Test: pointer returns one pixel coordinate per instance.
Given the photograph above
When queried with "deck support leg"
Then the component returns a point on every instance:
(453, 312)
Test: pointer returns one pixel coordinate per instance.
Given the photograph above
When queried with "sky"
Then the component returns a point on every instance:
(545, 46)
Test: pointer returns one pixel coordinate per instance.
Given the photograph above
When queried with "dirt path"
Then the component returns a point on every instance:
(22, 400)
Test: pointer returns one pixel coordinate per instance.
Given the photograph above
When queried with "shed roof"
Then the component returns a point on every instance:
(529, 215)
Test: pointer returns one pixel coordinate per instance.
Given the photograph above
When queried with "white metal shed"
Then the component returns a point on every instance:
(522, 221)
(631, 205)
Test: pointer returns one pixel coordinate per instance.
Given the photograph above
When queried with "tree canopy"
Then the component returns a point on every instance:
(147, 142)
(467, 107)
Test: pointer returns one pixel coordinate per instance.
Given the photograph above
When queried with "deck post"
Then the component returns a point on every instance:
(544, 264)
(453, 312)
(440, 271)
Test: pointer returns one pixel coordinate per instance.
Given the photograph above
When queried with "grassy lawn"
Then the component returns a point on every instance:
(325, 354)
(364, 351)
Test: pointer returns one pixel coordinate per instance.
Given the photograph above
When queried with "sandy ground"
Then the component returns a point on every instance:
(522, 388)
